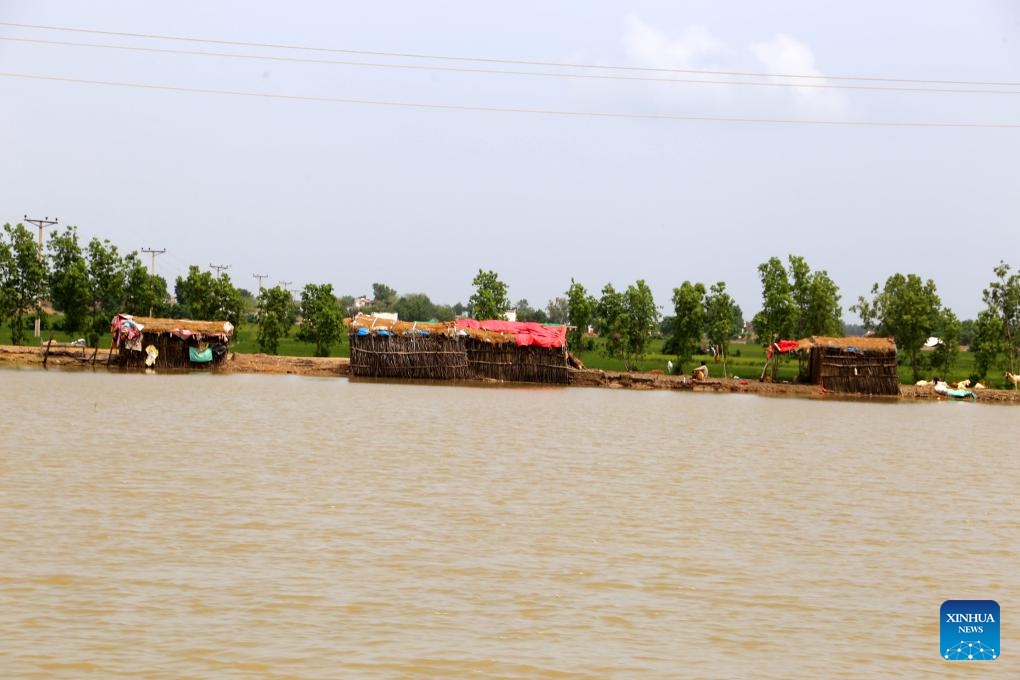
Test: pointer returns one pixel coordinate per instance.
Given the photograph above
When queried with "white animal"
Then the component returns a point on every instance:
(963, 384)
(1014, 377)
(978, 386)
(669, 367)
(923, 383)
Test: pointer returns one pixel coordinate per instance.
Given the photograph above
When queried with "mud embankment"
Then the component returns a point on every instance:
(92, 359)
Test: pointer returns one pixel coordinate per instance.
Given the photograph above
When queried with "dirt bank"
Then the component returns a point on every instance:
(87, 358)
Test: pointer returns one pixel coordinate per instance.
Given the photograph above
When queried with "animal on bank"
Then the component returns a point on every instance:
(1013, 377)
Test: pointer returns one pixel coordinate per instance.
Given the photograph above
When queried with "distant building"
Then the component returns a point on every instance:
(362, 301)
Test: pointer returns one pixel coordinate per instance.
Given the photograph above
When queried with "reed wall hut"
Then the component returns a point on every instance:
(853, 364)
(142, 342)
(458, 350)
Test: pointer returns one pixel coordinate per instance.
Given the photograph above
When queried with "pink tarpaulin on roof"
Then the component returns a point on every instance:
(525, 332)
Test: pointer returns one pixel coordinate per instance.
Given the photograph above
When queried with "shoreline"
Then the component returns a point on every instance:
(75, 358)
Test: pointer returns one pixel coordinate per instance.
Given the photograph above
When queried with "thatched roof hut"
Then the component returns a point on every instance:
(853, 364)
(462, 349)
(143, 341)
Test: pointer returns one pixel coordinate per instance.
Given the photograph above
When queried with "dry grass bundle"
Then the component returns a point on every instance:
(875, 345)
(156, 325)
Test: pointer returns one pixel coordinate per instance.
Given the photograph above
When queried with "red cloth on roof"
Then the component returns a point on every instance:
(782, 346)
(525, 332)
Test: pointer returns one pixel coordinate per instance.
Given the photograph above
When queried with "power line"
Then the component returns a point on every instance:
(260, 277)
(521, 110)
(484, 71)
(219, 267)
(519, 62)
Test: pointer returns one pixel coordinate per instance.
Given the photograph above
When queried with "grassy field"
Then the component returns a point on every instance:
(745, 361)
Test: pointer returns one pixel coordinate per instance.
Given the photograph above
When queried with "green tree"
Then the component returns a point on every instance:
(203, 296)
(908, 309)
(274, 318)
(525, 312)
(322, 318)
(22, 279)
(415, 307)
(778, 316)
(738, 321)
(194, 293)
(1002, 298)
(490, 299)
(384, 298)
(558, 310)
(612, 323)
(815, 299)
(816, 303)
(445, 313)
(967, 331)
(69, 279)
(146, 294)
(719, 320)
(581, 313)
(948, 329)
(689, 308)
(642, 317)
(107, 286)
(347, 304)
(987, 341)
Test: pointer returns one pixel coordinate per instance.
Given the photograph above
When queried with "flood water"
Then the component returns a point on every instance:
(283, 527)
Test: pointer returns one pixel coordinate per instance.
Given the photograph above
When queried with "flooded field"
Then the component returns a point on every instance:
(292, 527)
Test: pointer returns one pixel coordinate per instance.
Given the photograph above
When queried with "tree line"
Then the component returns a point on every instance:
(91, 283)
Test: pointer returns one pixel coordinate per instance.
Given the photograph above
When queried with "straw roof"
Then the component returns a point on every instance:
(375, 323)
(505, 332)
(155, 325)
(870, 345)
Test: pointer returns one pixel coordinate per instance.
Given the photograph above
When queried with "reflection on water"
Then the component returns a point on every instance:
(251, 526)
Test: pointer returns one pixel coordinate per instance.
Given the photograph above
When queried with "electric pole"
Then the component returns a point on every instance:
(219, 267)
(260, 277)
(154, 253)
(42, 224)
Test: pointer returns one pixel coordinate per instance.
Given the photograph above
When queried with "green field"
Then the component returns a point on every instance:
(751, 361)
(746, 360)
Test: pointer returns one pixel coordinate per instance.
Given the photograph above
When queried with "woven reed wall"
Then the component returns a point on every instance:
(442, 357)
(424, 357)
(507, 361)
(852, 372)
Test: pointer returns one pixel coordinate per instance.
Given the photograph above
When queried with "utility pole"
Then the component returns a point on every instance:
(260, 277)
(42, 224)
(154, 253)
(219, 267)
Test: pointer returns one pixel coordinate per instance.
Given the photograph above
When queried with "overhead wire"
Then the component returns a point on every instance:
(546, 74)
(515, 110)
(518, 62)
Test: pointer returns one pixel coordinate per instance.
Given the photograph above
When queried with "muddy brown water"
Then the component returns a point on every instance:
(292, 527)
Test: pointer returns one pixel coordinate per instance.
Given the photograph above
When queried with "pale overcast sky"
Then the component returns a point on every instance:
(353, 193)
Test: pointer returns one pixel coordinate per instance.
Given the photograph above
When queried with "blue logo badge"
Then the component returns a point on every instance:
(970, 630)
